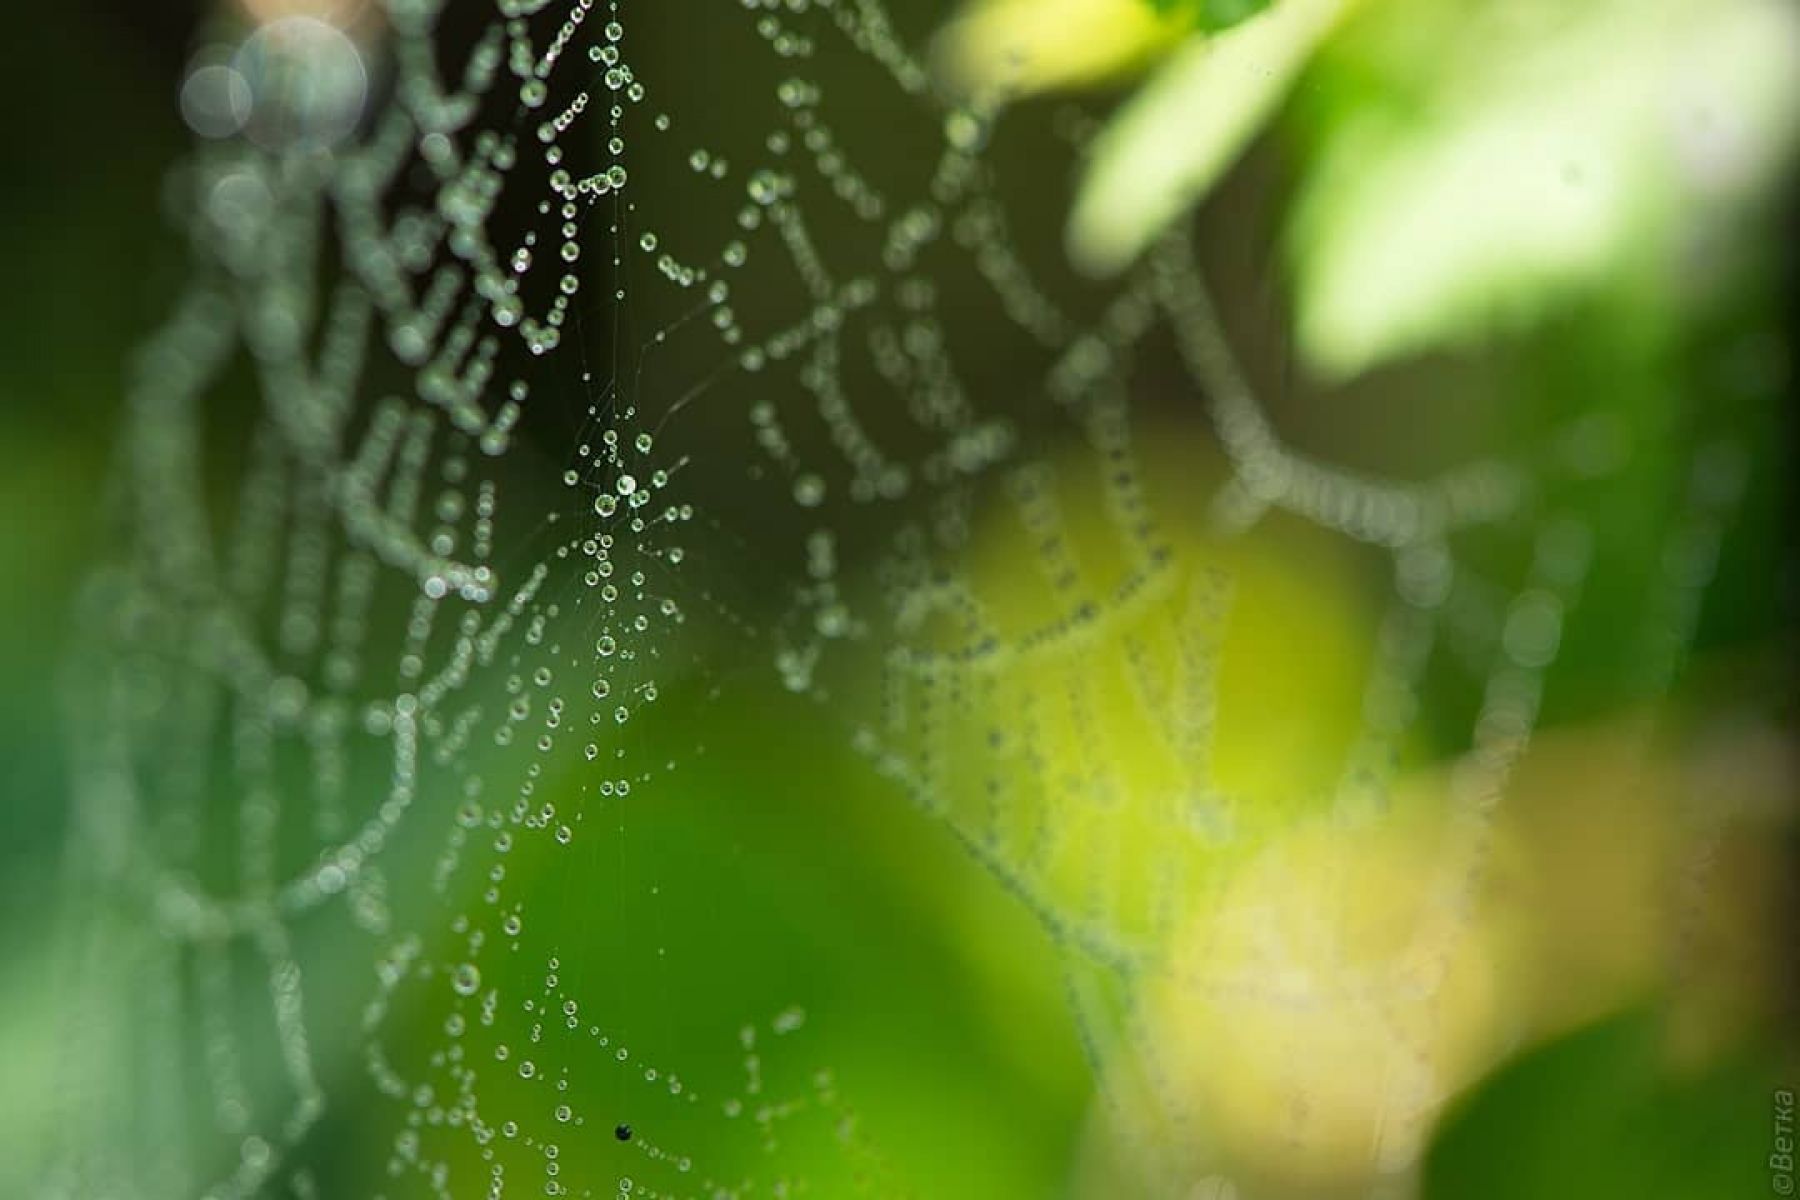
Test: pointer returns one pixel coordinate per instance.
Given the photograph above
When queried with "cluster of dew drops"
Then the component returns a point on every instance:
(549, 1013)
(553, 1014)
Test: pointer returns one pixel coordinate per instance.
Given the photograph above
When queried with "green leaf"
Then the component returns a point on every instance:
(1176, 136)
(1597, 1115)
(1543, 150)
(1210, 14)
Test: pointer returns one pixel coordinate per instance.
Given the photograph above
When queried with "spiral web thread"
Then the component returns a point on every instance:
(351, 639)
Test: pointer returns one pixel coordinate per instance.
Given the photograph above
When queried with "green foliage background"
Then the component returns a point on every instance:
(934, 997)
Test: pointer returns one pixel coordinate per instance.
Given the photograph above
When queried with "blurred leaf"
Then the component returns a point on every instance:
(1596, 1115)
(1173, 140)
(1210, 14)
(1541, 150)
(1026, 46)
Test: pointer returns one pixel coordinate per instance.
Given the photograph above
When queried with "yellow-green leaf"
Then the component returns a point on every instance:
(1023, 46)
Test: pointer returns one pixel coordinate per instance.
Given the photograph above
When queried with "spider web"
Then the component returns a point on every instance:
(576, 383)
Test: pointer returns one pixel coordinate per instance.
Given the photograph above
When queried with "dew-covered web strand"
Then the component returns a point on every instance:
(488, 607)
